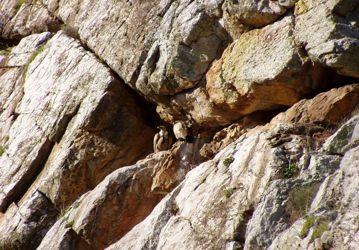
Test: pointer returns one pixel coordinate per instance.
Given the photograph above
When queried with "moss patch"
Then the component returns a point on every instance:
(309, 222)
(299, 200)
(319, 230)
(290, 171)
(2, 150)
(228, 192)
(228, 161)
(19, 4)
(36, 53)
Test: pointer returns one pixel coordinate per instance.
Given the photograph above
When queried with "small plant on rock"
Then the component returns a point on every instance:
(309, 222)
(19, 4)
(228, 161)
(319, 230)
(290, 170)
(228, 192)
(2, 150)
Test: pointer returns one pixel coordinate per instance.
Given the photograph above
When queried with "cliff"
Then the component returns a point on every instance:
(265, 93)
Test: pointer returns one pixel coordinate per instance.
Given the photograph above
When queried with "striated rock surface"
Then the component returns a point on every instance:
(250, 193)
(331, 218)
(329, 32)
(123, 199)
(19, 18)
(262, 97)
(157, 47)
(67, 127)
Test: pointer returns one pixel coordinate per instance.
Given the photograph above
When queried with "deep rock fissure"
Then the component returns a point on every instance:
(27, 179)
(38, 164)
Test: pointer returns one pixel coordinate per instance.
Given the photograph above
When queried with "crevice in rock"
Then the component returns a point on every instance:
(240, 233)
(8, 43)
(331, 79)
(27, 179)
(150, 116)
(63, 124)
(37, 165)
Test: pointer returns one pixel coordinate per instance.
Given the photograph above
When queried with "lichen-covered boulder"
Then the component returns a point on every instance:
(262, 70)
(242, 15)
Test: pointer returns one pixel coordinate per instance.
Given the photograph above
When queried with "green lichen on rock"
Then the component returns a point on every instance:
(2, 150)
(309, 222)
(19, 4)
(228, 161)
(299, 200)
(319, 230)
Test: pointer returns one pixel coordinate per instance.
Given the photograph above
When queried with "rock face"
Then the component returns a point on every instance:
(329, 108)
(262, 97)
(19, 18)
(123, 199)
(65, 126)
(256, 193)
(158, 47)
(329, 32)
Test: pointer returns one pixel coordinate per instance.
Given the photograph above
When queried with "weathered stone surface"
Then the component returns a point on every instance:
(229, 134)
(216, 198)
(70, 124)
(158, 47)
(329, 32)
(109, 211)
(253, 14)
(262, 70)
(19, 18)
(27, 224)
(286, 201)
(345, 138)
(150, 227)
(329, 108)
(61, 114)
(125, 197)
(259, 191)
(66, 238)
(71, 135)
(332, 221)
(12, 91)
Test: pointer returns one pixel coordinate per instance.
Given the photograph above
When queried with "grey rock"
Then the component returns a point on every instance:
(22, 18)
(345, 138)
(329, 32)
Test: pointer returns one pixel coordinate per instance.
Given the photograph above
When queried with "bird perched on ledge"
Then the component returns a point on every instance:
(162, 140)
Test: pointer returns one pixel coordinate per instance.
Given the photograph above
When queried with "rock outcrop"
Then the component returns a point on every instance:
(262, 97)
(20, 18)
(67, 122)
(328, 30)
(288, 167)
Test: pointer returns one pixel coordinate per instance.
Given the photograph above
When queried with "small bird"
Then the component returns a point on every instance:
(162, 140)
(180, 131)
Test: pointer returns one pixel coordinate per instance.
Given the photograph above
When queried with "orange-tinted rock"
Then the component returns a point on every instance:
(329, 107)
